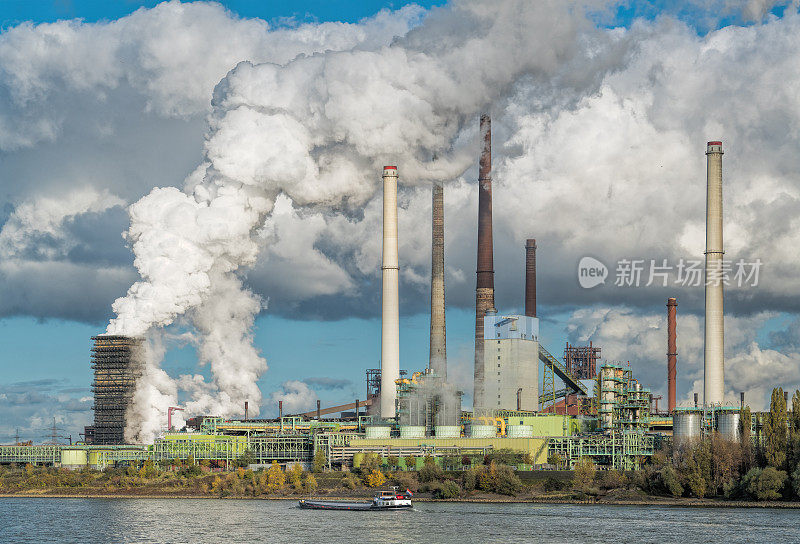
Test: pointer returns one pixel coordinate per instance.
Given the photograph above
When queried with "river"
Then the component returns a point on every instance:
(44, 520)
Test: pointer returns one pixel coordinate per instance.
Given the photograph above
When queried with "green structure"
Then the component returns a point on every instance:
(623, 451)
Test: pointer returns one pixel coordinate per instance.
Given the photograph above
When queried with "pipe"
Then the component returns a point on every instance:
(484, 286)
(530, 277)
(438, 341)
(672, 353)
(390, 322)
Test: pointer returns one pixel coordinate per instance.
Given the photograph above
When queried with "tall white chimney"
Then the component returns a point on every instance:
(390, 271)
(714, 379)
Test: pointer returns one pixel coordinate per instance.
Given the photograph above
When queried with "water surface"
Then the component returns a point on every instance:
(99, 521)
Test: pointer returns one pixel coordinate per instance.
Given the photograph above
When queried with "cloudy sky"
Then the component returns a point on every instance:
(244, 143)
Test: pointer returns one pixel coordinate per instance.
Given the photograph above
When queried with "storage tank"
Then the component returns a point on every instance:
(412, 431)
(447, 431)
(74, 459)
(727, 424)
(378, 431)
(686, 424)
(519, 431)
(483, 431)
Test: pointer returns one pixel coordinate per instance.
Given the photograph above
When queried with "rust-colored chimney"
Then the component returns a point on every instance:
(245, 410)
(672, 352)
(530, 278)
(484, 288)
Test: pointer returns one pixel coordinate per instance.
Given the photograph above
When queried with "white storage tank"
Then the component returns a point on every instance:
(686, 424)
(412, 431)
(378, 431)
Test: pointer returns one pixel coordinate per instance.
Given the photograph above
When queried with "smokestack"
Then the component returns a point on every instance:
(438, 355)
(484, 288)
(695, 399)
(741, 399)
(672, 352)
(530, 278)
(245, 410)
(319, 415)
(390, 322)
(280, 409)
(714, 357)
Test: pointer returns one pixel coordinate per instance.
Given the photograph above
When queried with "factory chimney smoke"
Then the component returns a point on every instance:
(438, 355)
(530, 278)
(714, 380)
(390, 322)
(484, 288)
(672, 352)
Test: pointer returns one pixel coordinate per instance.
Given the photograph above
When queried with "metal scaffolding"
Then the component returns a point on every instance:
(623, 451)
(116, 361)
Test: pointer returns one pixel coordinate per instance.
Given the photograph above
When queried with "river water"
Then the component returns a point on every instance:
(40, 520)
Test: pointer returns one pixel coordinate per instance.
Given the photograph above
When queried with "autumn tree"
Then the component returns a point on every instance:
(775, 439)
(375, 478)
(583, 476)
(275, 478)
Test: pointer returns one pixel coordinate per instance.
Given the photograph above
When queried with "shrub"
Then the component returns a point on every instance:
(443, 490)
(410, 462)
(508, 483)
(764, 484)
(555, 459)
(351, 481)
(469, 480)
(393, 461)
(189, 471)
(554, 484)
(430, 472)
(671, 481)
(403, 480)
(583, 475)
(309, 483)
(613, 479)
(375, 478)
(796, 481)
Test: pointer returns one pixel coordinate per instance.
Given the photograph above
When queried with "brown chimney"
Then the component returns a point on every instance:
(245, 410)
(672, 352)
(530, 278)
(484, 289)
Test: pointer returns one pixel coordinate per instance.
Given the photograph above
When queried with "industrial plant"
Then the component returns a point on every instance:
(525, 399)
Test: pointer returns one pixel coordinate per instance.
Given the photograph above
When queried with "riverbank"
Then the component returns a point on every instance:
(650, 501)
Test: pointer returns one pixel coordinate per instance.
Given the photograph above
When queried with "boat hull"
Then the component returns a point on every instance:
(335, 505)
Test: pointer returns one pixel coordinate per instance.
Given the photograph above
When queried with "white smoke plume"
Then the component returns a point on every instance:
(318, 129)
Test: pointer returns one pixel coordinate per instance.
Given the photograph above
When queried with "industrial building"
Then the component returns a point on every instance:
(116, 361)
(511, 351)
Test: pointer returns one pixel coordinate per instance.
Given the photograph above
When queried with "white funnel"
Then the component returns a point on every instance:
(390, 323)
(714, 354)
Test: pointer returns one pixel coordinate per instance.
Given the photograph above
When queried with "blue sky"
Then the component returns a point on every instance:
(50, 355)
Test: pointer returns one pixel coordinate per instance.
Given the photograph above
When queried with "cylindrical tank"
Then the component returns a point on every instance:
(378, 431)
(73, 458)
(727, 424)
(358, 459)
(447, 431)
(686, 425)
(519, 431)
(412, 431)
(483, 431)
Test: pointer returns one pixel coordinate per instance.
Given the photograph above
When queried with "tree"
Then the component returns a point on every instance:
(393, 461)
(764, 484)
(796, 481)
(275, 478)
(794, 433)
(310, 483)
(775, 431)
(584, 473)
(671, 481)
(295, 475)
(410, 462)
(375, 478)
(320, 460)
(746, 439)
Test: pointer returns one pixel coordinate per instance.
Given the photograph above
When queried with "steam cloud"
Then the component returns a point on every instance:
(316, 129)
